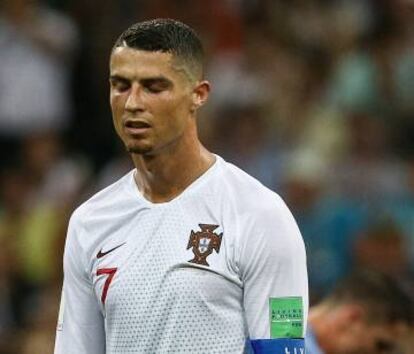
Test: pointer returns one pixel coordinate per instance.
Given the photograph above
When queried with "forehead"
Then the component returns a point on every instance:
(135, 64)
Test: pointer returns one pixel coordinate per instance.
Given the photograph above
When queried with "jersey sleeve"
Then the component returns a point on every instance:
(80, 328)
(273, 270)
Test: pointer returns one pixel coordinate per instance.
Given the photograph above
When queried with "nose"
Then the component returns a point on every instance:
(134, 102)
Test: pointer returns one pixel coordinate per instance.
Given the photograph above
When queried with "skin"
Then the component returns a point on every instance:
(154, 103)
(344, 329)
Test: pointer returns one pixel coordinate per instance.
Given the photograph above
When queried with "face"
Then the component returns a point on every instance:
(152, 100)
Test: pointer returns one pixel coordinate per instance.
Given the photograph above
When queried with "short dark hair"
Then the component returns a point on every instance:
(384, 298)
(166, 35)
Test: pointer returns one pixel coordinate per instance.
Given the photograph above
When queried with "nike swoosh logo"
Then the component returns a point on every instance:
(100, 254)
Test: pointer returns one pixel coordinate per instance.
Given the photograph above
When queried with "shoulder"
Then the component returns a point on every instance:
(106, 199)
(260, 214)
(266, 237)
(249, 195)
(90, 220)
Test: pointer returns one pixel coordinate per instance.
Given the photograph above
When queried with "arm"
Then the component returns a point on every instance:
(273, 269)
(80, 327)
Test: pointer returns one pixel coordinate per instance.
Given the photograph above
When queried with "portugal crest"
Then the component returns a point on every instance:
(204, 242)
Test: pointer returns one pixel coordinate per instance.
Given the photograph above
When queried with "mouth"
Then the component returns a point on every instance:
(136, 127)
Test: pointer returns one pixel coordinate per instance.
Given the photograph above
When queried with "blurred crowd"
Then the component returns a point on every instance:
(315, 98)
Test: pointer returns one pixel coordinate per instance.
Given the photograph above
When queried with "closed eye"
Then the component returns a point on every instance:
(156, 85)
(119, 84)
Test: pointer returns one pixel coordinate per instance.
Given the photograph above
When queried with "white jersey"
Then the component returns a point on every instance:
(202, 273)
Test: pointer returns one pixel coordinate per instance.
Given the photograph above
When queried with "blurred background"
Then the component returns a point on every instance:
(315, 98)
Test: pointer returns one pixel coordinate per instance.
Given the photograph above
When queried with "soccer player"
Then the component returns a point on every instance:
(186, 253)
(368, 312)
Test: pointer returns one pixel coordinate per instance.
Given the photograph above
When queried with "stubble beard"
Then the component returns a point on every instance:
(138, 150)
(136, 146)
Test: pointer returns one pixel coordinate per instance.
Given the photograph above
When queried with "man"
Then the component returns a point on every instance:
(186, 253)
(367, 313)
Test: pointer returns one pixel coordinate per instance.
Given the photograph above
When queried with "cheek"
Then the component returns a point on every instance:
(175, 108)
(117, 105)
(117, 112)
(165, 112)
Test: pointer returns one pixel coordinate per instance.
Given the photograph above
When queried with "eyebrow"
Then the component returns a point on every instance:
(143, 80)
(117, 77)
(158, 79)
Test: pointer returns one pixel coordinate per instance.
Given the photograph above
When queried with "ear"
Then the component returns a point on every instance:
(200, 95)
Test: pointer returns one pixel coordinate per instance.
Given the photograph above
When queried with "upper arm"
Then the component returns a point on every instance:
(81, 325)
(274, 274)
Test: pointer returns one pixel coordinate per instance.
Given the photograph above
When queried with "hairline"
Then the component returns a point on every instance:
(179, 63)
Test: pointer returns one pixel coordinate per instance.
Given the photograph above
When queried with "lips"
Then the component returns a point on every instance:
(136, 127)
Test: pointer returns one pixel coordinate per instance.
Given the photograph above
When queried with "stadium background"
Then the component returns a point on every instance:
(315, 98)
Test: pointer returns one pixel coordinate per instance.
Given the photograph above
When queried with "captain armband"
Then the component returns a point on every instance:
(286, 328)
(277, 346)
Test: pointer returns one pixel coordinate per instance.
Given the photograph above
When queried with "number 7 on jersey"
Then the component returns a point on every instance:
(110, 272)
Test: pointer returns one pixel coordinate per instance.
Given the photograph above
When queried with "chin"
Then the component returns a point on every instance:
(140, 150)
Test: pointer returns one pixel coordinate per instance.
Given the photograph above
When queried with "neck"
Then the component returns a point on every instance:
(163, 176)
